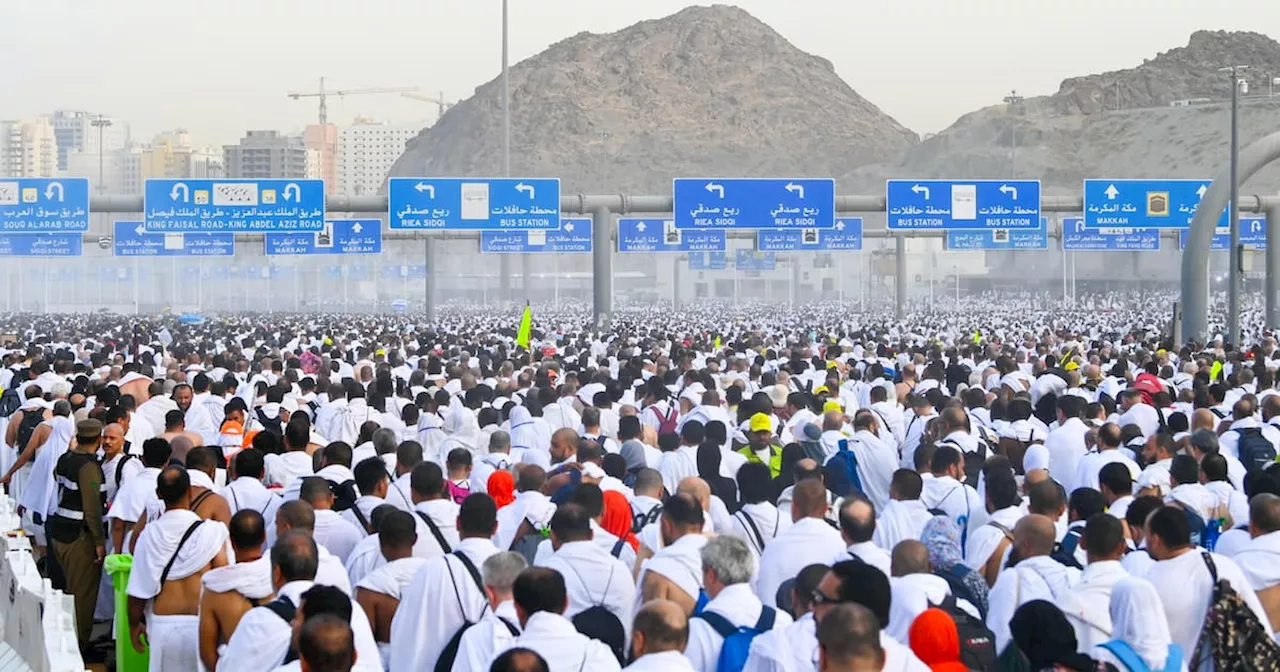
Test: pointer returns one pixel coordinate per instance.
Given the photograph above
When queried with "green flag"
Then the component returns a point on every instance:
(525, 333)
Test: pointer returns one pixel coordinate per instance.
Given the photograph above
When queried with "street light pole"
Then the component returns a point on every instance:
(504, 260)
(1233, 334)
(101, 123)
(1014, 101)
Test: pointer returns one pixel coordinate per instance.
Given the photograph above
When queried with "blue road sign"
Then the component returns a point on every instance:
(340, 236)
(661, 235)
(743, 203)
(709, 260)
(29, 204)
(409, 271)
(1144, 204)
(846, 236)
(474, 204)
(963, 204)
(1075, 236)
(1001, 239)
(40, 245)
(1253, 235)
(574, 236)
(750, 260)
(131, 239)
(239, 206)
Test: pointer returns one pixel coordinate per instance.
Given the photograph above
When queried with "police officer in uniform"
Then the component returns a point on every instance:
(75, 529)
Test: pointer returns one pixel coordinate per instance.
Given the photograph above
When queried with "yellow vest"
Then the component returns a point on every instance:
(775, 458)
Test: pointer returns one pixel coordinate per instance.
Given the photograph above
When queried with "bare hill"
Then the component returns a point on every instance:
(1086, 130)
(705, 91)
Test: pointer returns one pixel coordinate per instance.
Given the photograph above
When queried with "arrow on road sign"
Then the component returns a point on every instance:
(48, 191)
(793, 188)
(840, 225)
(525, 188)
(1111, 192)
(186, 192)
(640, 227)
(358, 227)
(1006, 189)
(1201, 190)
(568, 226)
(297, 192)
(421, 187)
(713, 187)
(140, 230)
(916, 189)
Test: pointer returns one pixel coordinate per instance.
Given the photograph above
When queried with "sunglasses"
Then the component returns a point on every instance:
(818, 597)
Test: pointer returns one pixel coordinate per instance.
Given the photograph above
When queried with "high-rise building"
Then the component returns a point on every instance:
(366, 152)
(117, 172)
(75, 132)
(28, 148)
(266, 155)
(323, 139)
(171, 155)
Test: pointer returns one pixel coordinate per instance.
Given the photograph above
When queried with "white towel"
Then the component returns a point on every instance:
(159, 542)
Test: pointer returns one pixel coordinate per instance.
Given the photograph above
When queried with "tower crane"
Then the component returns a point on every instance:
(323, 95)
(441, 103)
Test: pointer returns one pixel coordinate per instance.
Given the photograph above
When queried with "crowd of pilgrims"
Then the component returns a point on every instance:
(718, 489)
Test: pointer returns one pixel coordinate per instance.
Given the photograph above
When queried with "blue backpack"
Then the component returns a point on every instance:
(841, 472)
(737, 641)
(1130, 659)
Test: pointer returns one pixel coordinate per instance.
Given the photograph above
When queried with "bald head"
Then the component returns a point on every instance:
(1034, 535)
(696, 488)
(954, 419)
(910, 557)
(660, 625)
(113, 430)
(832, 421)
(1203, 419)
(808, 500)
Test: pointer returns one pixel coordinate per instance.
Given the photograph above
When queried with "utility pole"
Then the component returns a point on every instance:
(1233, 334)
(504, 260)
(1014, 103)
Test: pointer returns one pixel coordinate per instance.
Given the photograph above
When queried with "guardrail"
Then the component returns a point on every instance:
(37, 621)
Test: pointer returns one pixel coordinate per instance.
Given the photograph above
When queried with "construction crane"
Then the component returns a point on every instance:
(438, 100)
(323, 95)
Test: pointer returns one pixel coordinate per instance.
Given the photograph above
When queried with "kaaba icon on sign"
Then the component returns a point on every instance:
(1157, 204)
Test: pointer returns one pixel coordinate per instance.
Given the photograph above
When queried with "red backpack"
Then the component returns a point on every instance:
(666, 423)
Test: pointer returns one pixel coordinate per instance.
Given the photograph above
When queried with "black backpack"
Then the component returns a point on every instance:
(274, 426)
(1064, 552)
(345, 495)
(599, 623)
(977, 642)
(445, 662)
(31, 419)
(954, 577)
(639, 520)
(10, 402)
(1256, 452)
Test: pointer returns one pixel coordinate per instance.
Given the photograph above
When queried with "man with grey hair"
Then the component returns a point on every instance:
(498, 458)
(727, 568)
(1203, 443)
(500, 624)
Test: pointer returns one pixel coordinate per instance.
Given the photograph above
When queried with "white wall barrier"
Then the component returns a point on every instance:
(37, 622)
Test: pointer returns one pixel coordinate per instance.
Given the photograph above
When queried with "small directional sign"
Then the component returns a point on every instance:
(339, 236)
(846, 236)
(573, 237)
(131, 239)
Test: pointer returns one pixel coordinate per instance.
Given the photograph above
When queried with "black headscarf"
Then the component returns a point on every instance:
(1046, 638)
(709, 470)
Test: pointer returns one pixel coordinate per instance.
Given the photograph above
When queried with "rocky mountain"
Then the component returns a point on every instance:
(705, 91)
(1168, 117)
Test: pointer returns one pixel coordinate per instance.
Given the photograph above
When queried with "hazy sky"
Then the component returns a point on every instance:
(219, 67)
